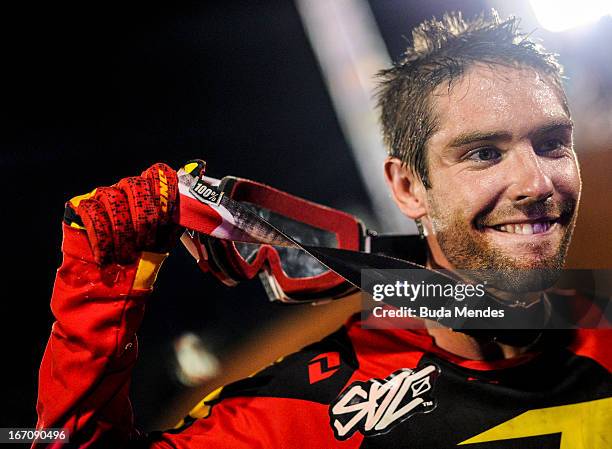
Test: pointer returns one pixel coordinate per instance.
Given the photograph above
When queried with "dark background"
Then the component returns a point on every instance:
(93, 92)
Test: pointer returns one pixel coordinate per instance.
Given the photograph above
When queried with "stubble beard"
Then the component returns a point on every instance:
(470, 251)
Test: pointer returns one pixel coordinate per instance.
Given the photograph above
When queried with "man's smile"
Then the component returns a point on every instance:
(523, 230)
(539, 227)
(544, 225)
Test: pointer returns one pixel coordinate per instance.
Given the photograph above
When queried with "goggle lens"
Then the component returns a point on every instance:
(295, 262)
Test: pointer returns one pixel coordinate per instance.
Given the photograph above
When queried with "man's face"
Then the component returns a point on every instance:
(505, 182)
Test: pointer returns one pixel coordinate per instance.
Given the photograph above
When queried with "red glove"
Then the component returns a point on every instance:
(131, 216)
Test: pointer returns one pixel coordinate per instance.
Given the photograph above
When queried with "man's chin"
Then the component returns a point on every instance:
(520, 263)
(522, 280)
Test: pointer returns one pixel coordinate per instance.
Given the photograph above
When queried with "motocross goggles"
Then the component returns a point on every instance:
(239, 229)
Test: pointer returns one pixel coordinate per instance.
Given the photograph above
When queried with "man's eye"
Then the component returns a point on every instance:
(484, 155)
(552, 147)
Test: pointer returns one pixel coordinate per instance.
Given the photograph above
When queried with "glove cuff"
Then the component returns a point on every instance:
(76, 245)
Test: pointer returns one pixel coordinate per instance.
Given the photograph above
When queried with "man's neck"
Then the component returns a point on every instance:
(467, 346)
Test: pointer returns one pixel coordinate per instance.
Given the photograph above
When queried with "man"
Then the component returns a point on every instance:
(480, 138)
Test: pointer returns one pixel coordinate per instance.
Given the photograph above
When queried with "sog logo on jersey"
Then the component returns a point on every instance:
(376, 406)
(206, 193)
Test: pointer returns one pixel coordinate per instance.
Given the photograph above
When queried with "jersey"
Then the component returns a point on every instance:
(357, 388)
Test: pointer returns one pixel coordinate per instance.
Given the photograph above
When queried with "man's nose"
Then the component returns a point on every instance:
(529, 181)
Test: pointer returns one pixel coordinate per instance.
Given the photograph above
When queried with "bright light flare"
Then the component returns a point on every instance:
(561, 15)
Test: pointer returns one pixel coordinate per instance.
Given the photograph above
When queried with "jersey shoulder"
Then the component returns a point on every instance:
(278, 406)
(317, 373)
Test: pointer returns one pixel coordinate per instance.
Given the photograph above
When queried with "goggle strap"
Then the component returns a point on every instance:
(400, 246)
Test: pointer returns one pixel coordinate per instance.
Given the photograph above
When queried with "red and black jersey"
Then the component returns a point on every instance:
(357, 388)
(367, 388)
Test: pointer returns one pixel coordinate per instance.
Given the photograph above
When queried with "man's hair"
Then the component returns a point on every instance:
(441, 52)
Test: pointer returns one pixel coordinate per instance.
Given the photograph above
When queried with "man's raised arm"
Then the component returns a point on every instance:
(115, 239)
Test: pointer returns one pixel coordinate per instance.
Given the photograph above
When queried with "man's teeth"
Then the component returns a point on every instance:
(525, 228)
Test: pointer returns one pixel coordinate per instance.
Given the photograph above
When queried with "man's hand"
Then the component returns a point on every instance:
(131, 216)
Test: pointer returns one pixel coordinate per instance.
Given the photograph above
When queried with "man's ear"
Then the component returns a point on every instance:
(407, 189)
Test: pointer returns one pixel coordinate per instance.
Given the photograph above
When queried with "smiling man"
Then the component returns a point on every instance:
(493, 179)
(503, 182)
(481, 155)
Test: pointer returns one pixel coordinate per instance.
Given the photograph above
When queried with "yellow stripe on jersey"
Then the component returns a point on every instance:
(586, 425)
(203, 408)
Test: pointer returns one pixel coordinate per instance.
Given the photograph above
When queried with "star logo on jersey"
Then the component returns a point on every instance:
(376, 406)
(323, 366)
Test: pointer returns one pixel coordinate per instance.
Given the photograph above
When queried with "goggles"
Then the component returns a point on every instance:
(239, 229)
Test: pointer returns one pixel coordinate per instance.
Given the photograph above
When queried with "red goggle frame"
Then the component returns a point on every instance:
(224, 260)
